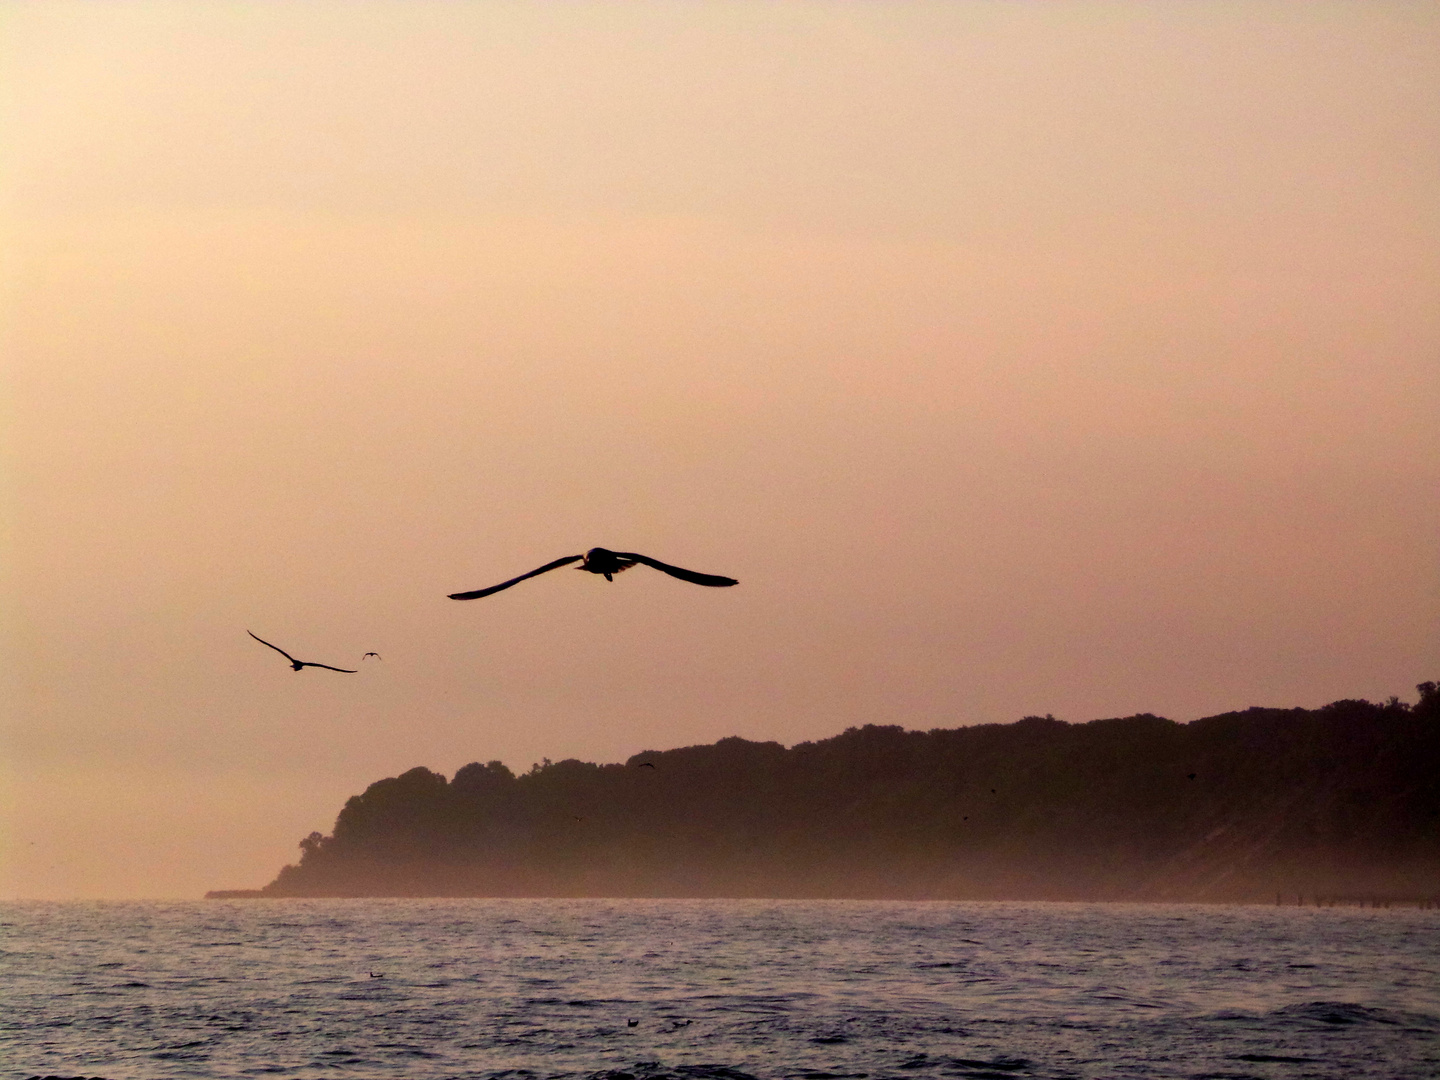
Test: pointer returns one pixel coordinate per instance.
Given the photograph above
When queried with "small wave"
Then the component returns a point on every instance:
(655, 1071)
(1332, 1014)
(1335, 1012)
(406, 1050)
(1001, 1068)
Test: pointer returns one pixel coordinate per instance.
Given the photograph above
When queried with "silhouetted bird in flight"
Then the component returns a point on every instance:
(299, 664)
(609, 563)
(370, 654)
(646, 765)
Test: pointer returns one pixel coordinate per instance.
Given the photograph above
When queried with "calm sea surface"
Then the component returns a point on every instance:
(724, 989)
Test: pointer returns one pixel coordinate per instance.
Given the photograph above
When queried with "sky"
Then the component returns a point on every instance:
(1072, 358)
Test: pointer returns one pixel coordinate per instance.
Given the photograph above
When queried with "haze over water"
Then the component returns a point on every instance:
(549, 988)
(1072, 359)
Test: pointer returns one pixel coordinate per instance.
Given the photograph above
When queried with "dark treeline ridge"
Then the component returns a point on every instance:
(1341, 800)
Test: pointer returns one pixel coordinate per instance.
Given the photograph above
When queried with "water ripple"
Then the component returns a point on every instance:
(717, 990)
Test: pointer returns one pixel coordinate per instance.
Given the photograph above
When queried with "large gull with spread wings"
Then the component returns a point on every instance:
(608, 563)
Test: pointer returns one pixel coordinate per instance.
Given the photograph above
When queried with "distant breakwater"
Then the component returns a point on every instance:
(1341, 801)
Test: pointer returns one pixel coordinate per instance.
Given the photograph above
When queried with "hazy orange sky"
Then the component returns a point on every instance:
(1056, 358)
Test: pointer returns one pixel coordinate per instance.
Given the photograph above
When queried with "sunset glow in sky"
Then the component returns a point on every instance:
(1072, 358)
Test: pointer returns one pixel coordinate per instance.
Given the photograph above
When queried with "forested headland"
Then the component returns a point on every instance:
(1341, 800)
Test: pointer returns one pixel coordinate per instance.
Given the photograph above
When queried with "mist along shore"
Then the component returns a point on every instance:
(1335, 805)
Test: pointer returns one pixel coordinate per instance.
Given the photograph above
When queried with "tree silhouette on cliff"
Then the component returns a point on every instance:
(1235, 806)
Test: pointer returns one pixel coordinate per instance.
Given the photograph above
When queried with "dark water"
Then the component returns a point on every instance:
(550, 988)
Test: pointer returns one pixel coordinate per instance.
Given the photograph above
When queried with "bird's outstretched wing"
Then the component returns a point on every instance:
(692, 576)
(327, 667)
(277, 648)
(515, 580)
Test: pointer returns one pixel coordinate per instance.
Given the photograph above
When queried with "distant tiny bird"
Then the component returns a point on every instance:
(609, 563)
(1190, 776)
(370, 654)
(646, 765)
(300, 664)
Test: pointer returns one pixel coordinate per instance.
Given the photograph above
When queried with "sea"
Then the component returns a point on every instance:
(723, 989)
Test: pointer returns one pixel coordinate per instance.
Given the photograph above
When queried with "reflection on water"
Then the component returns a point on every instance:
(461, 988)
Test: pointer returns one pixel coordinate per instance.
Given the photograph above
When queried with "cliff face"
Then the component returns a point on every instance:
(1339, 800)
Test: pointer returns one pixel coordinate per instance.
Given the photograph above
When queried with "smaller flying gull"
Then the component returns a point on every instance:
(607, 563)
(299, 665)
(370, 654)
(646, 765)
